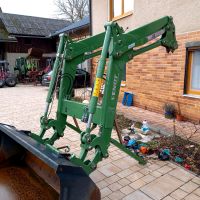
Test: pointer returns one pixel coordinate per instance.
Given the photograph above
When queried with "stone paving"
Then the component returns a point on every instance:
(119, 176)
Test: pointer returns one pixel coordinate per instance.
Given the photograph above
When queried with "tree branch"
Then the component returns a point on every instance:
(73, 10)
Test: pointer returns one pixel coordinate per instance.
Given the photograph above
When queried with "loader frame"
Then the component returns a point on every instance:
(115, 48)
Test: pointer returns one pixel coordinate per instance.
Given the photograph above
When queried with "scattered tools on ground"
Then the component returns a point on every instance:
(152, 145)
(145, 127)
(136, 139)
(178, 159)
(164, 154)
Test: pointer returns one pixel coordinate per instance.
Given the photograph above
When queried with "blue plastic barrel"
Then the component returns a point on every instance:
(128, 99)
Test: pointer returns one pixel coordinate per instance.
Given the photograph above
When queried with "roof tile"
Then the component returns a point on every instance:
(28, 25)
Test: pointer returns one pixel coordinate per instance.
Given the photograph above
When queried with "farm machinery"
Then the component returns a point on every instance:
(59, 173)
(33, 67)
(6, 77)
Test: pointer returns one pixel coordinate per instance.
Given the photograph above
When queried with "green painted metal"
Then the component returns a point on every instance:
(127, 151)
(76, 109)
(116, 48)
(57, 65)
(84, 47)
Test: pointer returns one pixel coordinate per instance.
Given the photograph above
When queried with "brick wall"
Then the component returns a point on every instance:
(156, 77)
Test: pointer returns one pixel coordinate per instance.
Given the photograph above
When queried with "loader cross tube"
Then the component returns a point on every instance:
(119, 48)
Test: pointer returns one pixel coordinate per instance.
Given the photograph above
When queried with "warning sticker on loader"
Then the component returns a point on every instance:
(97, 87)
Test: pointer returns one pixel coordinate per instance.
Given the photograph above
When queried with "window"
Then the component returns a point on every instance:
(120, 8)
(193, 72)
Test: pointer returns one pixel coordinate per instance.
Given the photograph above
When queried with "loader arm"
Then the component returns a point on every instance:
(116, 48)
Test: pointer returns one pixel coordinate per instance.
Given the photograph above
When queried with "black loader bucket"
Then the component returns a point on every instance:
(29, 171)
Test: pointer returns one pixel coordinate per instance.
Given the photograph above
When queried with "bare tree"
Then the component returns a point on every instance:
(73, 10)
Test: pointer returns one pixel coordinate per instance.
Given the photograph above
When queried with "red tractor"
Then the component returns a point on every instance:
(6, 77)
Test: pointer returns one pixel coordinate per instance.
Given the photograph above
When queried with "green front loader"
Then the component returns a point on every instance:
(30, 161)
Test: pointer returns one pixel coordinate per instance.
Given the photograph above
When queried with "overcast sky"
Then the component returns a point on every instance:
(40, 8)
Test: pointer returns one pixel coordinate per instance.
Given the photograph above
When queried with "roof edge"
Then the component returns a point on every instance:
(74, 26)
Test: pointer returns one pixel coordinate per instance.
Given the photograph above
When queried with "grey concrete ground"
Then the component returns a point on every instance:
(119, 176)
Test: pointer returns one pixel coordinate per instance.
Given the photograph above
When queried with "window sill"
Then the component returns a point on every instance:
(192, 96)
(122, 16)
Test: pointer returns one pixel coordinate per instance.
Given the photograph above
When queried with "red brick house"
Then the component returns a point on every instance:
(156, 77)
